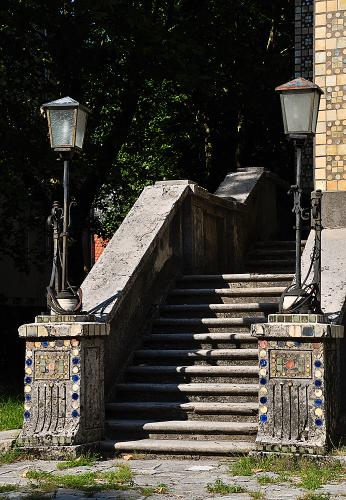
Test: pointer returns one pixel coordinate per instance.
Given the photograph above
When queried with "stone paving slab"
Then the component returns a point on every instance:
(7, 439)
(185, 479)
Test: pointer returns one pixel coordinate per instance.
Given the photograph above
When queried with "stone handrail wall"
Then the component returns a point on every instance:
(174, 227)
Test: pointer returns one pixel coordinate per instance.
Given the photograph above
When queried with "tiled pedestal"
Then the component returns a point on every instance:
(63, 384)
(299, 383)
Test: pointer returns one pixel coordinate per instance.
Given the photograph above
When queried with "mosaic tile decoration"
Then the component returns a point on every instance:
(330, 75)
(288, 364)
(52, 365)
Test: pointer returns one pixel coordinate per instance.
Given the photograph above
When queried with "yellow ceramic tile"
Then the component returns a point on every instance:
(320, 138)
(342, 185)
(320, 57)
(341, 149)
(320, 174)
(320, 32)
(320, 7)
(341, 43)
(330, 115)
(320, 45)
(320, 69)
(332, 5)
(321, 81)
(320, 162)
(332, 185)
(320, 150)
(321, 185)
(332, 150)
(330, 43)
(341, 79)
(342, 4)
(341, 114)
(331, 81)
(321, 128)
(320, 20)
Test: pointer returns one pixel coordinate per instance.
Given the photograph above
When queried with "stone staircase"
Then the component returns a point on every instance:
(192, 387)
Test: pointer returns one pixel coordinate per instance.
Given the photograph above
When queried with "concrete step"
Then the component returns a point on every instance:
(208, 371)
(237, 310)
(230, 292)
(180, 447)
(197, 354)
(270, 262)
(213, 322)
(277, 243)
(228, 374)
(180, 427)
(241, 389)
(231, 337)
(222, 308)
(237, 278)
(265, 252)
(203, 408)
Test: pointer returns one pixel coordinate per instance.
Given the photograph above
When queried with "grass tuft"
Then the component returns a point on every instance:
(11, 456)
(5, 488)
(160, 489)
(263, 480)
(221, 488)
(11, 412)
(312, 474)
(119, 479)
(244, 466)
(315, 474)
(256, 495)
(315, 496)
(86, 460)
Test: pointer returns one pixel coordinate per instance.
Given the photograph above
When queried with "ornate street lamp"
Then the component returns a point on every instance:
(67, 124)
(300, 101)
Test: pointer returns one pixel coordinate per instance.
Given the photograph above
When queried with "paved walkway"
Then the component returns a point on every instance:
(185, 479)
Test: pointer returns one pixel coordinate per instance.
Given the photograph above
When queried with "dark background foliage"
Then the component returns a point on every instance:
(178, 89)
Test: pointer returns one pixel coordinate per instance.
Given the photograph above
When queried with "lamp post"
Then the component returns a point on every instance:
(67, 120)
(300, 101)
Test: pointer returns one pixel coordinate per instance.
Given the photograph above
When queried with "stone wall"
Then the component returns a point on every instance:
(175, 227)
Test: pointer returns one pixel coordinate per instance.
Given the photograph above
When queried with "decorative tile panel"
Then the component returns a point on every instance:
(330, 74)
(52, 365)
(288, 364)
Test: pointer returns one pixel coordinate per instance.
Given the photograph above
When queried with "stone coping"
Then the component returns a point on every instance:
(304, 330)
(296, 318)
(65, 318)
(59, 329)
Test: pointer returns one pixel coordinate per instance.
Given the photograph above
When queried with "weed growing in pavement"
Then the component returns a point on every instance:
(14, 455)
(312, 474)
(119, 479)
(86, 460)
(263, 480)
(6, 488)
(218, 486)
(256, 495)
(160, 489)
(244, 466)
(315, 496)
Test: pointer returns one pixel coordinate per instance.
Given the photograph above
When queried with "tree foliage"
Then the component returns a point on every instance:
(178, 88)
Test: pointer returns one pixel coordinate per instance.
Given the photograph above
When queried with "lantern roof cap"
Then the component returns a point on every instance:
(299, 84)
(65, 102)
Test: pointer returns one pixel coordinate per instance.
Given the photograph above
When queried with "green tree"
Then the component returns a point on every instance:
(178, 88)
